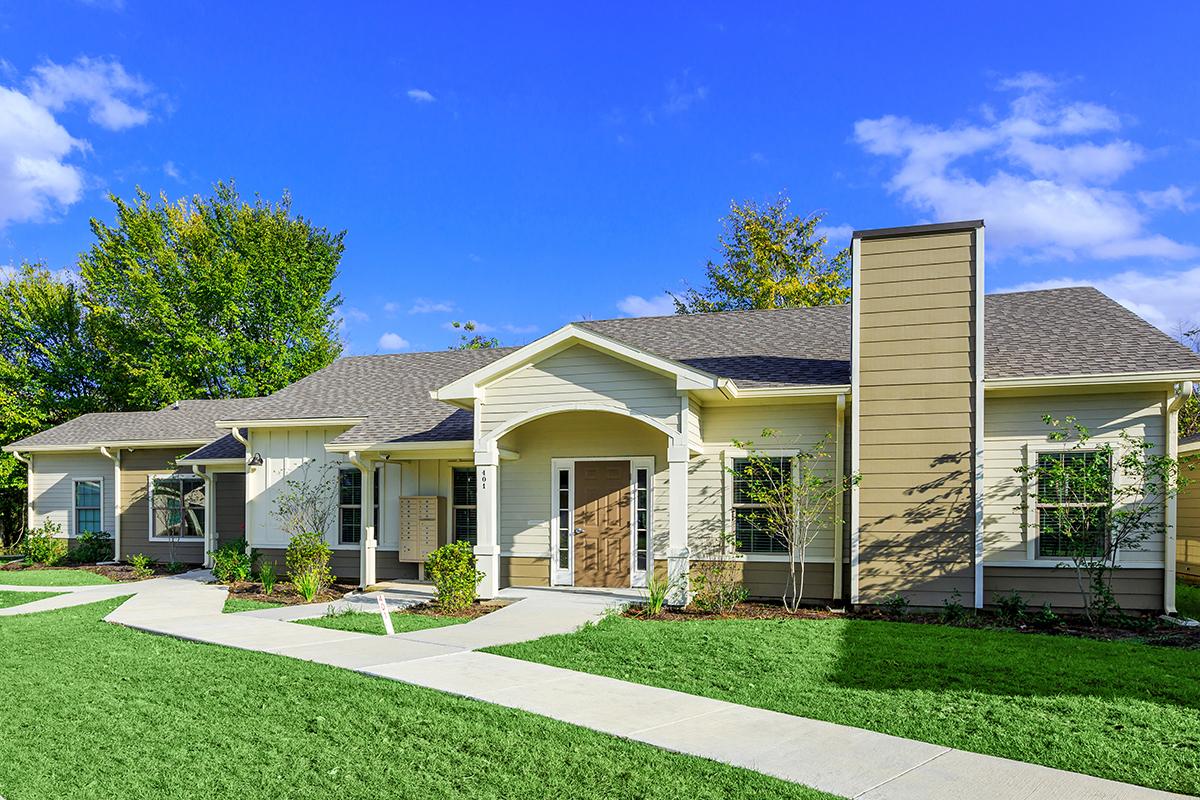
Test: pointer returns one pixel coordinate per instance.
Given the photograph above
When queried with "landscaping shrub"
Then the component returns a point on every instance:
(91, 547)
(1011, 607)
(657, 590)
(142, 565)
(176, 567)
(308, 563)
(232, 563)
(42, 546)
(452, 570)
(717, 586)
(895, 606)
(266, 574)
(953, 612)
(1045, 617)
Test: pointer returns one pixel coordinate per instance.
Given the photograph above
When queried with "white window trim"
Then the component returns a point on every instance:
(1033, 531)
(72, 532)
(637, 578)
(337, 543)
(150, 536)
(728, 456)
(453, 534)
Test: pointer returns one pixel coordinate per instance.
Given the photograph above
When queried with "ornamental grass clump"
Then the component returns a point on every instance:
(453, 571)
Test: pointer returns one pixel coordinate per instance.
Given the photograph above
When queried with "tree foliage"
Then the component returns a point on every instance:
(470, 340)
(769, 259)
(212, 297)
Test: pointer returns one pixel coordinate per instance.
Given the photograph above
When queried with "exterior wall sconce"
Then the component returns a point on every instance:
(256, 460)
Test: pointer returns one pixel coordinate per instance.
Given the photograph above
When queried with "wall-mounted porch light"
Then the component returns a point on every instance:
(256, 460)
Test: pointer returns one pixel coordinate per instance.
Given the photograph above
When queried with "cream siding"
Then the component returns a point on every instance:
(1013, 428)
(1187, 543)
(51, 487)
(580, 374)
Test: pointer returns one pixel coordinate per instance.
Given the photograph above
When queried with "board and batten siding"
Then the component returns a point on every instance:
(52, 487)
(916, 324)
(137, 467)
(579, 374)
(1187, 542)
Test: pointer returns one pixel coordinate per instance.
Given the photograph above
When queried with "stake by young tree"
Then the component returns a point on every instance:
(769, 258)
(792, 498)
(1092, 500)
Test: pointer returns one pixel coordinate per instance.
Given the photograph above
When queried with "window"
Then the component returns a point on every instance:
(564, 519)
(751, 522)
(88, 516)
(1073, 493)
(177, 507)
(350, 505)
(641, 519)
(465, 512)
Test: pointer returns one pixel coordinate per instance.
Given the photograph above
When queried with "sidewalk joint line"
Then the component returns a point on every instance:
(902, 773)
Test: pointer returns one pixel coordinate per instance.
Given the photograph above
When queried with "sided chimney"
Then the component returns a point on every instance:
(917, 414)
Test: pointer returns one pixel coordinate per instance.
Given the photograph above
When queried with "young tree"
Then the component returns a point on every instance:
(1095, 500)
(769, 259)
(470, 340)
(309, 501)
(794, 499)
(212, 297)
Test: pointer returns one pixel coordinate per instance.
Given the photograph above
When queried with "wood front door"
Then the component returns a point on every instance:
(602, 507)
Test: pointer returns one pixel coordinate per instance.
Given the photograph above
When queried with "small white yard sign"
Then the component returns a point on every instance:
(387, 618)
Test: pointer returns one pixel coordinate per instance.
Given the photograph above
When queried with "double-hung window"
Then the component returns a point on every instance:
(754, 525)
(466, 514)
(88, 516)
(1073, 493)
(350, 505)
(177, 507)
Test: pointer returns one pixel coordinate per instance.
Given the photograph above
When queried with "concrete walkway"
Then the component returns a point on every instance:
(845, 761)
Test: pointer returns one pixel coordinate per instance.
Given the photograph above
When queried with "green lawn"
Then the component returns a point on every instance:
(9, 599)
(1125, 711)
(50, 577)
(137, 716)
(1187, 600)
(367, 622)
(234, 604)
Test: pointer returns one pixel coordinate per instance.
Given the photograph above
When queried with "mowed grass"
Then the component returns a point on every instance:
(10, 599)
(1124, 711)
(367, 622)
(51, 577)
(233, 605)
(1187, 600)
(102, 711)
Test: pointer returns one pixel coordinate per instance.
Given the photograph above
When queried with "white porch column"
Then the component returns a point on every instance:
(367, 543)
(677, 543)
(487, 526)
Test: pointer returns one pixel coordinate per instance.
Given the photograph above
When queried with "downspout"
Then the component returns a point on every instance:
(1170, 512)
(210, 518)
(28, 462)
(116, 459)
(237, 434)
(839, 470)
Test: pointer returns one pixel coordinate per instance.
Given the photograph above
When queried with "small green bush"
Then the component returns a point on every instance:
(266, 574)
(42, 545)
(231, 562)
(454, 575)
(307, 585)
(307, 559)
(91, 547)
(1011, 608)
(1045, 617)
(657, 590)
(895, 606)
(717, 586)
(176, 567)
(142, 565)
(953, 612)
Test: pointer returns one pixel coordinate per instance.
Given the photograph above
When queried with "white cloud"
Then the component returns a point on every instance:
(425, 306)
(682, 95)
(420, 96)
(35, 181)
(170, 170)
(357, 315)
(1043, 190)
(392, 342)
(1163, 299)
(103, 86)
(638, 306)
(391, 308)
(1172, 197)
(519, 330)
(838, 235)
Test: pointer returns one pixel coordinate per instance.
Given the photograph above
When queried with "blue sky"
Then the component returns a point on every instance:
(524, 165)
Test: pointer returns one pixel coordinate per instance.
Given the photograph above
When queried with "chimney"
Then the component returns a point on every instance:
(917, 414)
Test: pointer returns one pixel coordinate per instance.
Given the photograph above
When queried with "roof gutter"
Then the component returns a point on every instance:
(1094, 379)
(19, 457)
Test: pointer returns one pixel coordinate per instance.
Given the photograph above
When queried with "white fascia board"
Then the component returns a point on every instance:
(95, 446)
(686, 378)
(1095, 379)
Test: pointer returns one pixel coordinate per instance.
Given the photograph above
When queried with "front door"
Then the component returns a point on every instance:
(602, 502)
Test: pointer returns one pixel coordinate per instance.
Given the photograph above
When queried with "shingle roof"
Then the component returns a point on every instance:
(225, 447)
(186, 421)
(1028, 334)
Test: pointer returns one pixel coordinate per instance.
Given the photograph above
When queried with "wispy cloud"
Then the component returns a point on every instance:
(425, 306)
(113, 97)
(682, 94)
(420, 96)
(392, 342)
(171, 171)
(838, 235)
(1051, 196)
(1172, 197)
(637, 306)
(357, 315)
(519, 330)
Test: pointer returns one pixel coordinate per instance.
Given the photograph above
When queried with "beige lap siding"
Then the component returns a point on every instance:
(137, 466)
(52, 488)
(1188, 515)
(916, 417)
(765, 580)
(1135, 589)
(523, 571)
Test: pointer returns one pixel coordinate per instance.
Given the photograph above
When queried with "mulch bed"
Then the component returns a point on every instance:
(121, 573)
(478, 609)
(284, 594)
(1148, 630)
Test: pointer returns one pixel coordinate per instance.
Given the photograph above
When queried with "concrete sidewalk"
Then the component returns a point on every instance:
(846, 761)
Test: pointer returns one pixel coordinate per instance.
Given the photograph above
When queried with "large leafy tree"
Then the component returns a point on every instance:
(769, 258)
(49, 371)
(212, 297)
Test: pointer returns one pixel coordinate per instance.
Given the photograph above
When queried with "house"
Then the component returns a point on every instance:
(599, 455)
